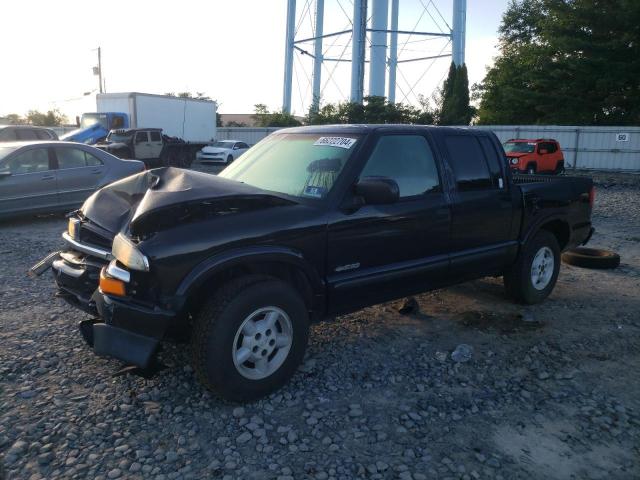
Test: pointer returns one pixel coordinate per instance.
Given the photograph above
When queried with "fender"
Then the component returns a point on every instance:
(535, 226)
(229, 258)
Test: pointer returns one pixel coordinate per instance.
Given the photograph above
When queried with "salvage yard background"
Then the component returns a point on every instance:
(599, 148)
(551, 391)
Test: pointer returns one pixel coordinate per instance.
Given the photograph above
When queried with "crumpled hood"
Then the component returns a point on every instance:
(172, 194)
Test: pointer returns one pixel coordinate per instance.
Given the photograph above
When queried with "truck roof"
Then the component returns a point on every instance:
(367, 128)
(128, 130)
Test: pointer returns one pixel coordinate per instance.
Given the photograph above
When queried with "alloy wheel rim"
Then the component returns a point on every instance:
(542, 268)
(262, 343)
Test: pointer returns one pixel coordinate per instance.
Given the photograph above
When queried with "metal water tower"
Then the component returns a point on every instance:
(382, 33)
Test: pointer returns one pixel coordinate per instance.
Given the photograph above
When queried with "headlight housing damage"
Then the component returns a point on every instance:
(127, 253)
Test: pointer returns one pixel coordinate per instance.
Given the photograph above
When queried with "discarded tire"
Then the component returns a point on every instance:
(591, 258)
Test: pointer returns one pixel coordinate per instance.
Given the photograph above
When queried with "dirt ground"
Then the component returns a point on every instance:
(551, 391)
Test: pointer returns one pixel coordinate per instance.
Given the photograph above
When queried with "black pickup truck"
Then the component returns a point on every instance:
(310, 223)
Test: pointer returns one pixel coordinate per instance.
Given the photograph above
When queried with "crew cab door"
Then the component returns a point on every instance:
(79, 174)
(380, 252)
(482, 206)
(155, 142)
(141, 145)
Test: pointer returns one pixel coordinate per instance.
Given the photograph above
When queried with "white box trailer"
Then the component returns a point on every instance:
(192, 120)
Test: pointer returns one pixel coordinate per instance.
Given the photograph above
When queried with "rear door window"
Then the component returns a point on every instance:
(408, 160)
(70, 158)
(493, 160)
(155, 136)
(43, 135)
(141, 137)
(468, 163)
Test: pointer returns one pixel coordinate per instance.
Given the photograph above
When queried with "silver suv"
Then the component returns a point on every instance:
(12, 133)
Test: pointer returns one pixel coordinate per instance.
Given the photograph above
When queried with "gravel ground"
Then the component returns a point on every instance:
(550, 391)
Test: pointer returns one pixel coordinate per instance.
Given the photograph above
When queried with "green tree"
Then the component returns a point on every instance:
(52, 118)
(264, 118)
(219, 122)
(373, 110)
(454, 107)
(565, 62)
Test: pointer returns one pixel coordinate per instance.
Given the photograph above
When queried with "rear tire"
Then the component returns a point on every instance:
(559, 168)
(249, 338)
(532, 278)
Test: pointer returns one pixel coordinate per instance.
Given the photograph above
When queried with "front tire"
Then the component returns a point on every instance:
(249, 338)
(531, 170)
(229, 159)
(532, 278)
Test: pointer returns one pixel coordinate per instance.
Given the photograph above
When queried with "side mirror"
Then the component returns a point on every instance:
(378, 190)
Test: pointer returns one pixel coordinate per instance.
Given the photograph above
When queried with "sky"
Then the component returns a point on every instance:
(231, 50)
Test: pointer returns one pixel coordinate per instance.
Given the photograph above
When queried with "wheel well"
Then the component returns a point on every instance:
(561, 231)
(532, 164)
(286, 272)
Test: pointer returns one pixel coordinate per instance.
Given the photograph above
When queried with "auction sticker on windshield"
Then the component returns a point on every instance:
(341, 142)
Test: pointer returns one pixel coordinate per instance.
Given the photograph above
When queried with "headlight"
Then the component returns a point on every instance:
(128, 254)
(74, 228)
(514, 161)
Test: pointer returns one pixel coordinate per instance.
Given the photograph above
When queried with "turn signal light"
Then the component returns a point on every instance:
(592, 196)
(111, 286)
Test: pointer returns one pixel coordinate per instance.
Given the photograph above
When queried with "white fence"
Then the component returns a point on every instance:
(599, 148)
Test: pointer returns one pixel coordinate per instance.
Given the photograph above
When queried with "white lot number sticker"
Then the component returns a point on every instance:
(341, 142)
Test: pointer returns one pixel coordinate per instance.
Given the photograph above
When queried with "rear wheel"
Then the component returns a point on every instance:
(532, 278)
(559, 168)
(249, 338)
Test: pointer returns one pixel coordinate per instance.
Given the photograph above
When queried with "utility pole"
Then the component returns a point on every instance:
(100, 68)
(288, 56)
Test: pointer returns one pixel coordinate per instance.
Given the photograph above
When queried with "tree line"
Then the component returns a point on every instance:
(565, 62)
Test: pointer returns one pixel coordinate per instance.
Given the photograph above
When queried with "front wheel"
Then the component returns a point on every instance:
(531, 170)
(532, 278)
(249, 338)
(229, 159)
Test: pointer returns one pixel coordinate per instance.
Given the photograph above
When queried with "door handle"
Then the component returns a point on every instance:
(48, 177)
(96, 172)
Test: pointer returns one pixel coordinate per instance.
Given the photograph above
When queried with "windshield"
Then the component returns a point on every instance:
(119, 137)
(297, 164)
(519, 147)
(89, 119)
(223, 144)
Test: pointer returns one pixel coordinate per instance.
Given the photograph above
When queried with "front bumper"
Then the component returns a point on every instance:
(129, 332)
(208, 157)
(125, 329)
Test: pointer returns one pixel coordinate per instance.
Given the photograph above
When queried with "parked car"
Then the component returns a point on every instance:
(311, 223)
(542, 155)
(12, 133)
(223, 151)
(39, 177)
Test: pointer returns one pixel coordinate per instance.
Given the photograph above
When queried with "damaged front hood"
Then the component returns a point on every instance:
(164, 197)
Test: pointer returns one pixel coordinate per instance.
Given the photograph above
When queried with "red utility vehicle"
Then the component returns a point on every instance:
(542, 155)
